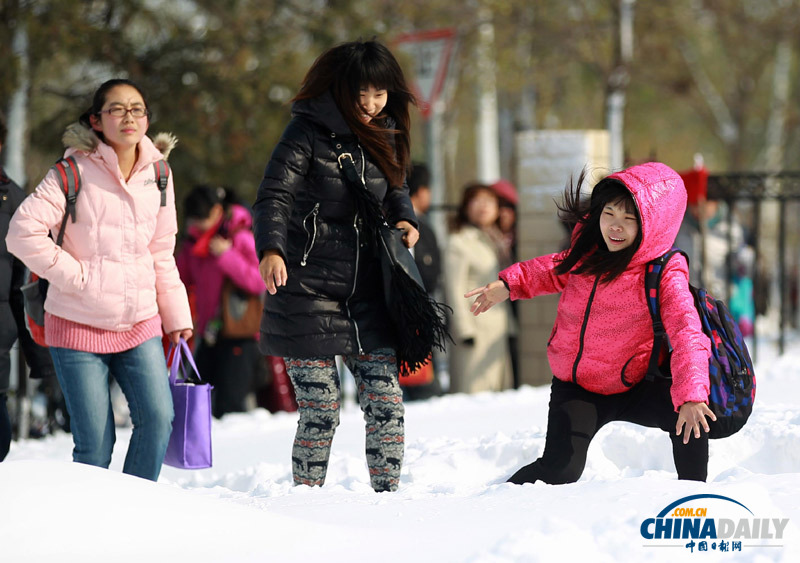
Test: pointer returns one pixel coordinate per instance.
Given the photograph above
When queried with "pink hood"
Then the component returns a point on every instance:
(661, 198)
(116, 266)
(603, 334)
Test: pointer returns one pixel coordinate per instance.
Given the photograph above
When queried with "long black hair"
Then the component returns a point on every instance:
(589, 248)
(344, 70)
(99, 100)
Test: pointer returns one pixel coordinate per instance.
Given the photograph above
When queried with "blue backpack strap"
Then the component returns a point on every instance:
(69, 178)
(652, 281)
(162, 176)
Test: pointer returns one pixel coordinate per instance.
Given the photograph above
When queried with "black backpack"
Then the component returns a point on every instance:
(732, 381)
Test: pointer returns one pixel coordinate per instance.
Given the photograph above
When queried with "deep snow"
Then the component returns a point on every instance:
(453, 504)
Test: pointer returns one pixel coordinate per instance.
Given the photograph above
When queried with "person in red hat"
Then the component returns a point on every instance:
(507, 220)
(507, 251)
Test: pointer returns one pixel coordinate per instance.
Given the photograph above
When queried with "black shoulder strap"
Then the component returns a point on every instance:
(162, 177)
(347, 165)
(69, 178)
(369, 208)
(652, 282)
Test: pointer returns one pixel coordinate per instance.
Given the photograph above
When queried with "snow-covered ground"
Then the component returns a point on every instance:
(453, 503)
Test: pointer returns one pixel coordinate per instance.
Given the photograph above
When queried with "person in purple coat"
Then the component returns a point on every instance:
(218, 257)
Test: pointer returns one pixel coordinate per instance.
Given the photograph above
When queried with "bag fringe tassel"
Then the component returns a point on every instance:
(420, 321)
(423, 319)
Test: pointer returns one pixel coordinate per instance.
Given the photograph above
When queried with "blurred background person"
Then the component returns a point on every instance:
(426, 252)
(507, 249)
(12, 314)
(506, 220)
(424, 383)
(218, 264)
(480, 359)
(698, 211)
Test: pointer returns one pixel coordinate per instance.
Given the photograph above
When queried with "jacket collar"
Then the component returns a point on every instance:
(323, 110)
(79, 138)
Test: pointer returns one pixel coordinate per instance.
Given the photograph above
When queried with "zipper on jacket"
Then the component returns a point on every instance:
(353, 290)
(310, 237)
(356, 222)
(552, 335)
(583, 330)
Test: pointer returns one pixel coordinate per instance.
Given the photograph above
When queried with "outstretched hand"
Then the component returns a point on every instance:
(273, 271)
(488, 296)
(691, 416)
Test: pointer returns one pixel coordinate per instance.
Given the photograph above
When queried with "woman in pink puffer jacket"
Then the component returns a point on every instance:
(113, 282)
(603, 335)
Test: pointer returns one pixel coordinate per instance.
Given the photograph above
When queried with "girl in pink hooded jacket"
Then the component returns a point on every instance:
(603, 335)
(113, 282)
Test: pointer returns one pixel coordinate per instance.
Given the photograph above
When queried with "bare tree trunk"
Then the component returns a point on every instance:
(488, 148)
(525, 118)
(618, 83)
(773, 162)
(14, 151)
(14, 148)
(776, 126)
(727, 129)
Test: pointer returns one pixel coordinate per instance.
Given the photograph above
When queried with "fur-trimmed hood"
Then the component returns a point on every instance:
(79, 137)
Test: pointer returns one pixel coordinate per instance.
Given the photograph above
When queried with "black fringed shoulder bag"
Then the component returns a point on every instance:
(419, 320)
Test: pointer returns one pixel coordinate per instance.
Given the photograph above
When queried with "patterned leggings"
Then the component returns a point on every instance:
(316, 385)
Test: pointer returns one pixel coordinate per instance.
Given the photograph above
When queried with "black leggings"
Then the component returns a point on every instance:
(5, 428)
(576, 415)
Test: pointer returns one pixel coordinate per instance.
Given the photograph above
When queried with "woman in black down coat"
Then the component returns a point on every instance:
(325, 295)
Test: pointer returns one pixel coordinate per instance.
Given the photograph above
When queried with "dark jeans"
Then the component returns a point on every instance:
(229, 366)
(5, 428)
(576, 415)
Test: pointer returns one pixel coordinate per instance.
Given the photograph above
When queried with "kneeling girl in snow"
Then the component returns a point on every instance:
(602, 339)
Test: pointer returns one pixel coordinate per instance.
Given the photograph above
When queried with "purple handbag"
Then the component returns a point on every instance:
(190, 442)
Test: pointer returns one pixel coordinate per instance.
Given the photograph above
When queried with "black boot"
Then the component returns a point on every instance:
(526, 474)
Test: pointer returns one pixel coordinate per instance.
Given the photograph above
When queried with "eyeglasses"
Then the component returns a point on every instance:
(120, 111)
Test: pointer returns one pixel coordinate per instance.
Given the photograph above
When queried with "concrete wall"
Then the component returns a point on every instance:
(545, 161)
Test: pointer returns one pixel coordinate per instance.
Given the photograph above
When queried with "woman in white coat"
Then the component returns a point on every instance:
(480, 359)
